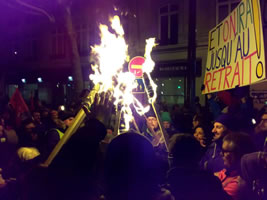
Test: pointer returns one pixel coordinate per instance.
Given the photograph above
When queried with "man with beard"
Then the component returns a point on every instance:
(212, 159)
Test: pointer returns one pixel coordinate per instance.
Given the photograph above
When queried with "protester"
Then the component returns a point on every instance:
(254, 173)
(8, 143)
(167, 124)
(75, 171)
(40, 126)
(151, 130)
(131, 169)
(185, 179)
(203, 135)
(28, 136)
(59, 123)
(260, 133)
(36, 117)
(166, 119)
(234, 146)
(212, 159)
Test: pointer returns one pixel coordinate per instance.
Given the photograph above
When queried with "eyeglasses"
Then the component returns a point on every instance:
(226, 151)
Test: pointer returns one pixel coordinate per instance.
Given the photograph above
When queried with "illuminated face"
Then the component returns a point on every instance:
(200, 136)
(68, 121)
(228, 154)
(166, 124)
(54, 114)
(263, 122)
(37, 117)
(218, 130)
(152, 122)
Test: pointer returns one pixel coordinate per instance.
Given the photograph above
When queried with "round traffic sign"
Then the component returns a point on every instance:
(135, 66)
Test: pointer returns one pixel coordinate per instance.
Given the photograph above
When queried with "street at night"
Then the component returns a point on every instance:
(133, 100)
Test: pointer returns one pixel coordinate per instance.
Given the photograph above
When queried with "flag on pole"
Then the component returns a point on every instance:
(19, 106)
(32, 107)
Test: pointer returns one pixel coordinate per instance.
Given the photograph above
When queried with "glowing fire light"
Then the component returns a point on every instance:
(111, 54)
(148, 67)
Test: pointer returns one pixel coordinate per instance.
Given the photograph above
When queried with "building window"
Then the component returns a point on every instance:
(83, 39)
(224, 8)
(168, 21)
(171, 90)
(58, 43)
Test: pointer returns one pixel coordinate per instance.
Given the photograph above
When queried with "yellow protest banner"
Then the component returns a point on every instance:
(236, 50)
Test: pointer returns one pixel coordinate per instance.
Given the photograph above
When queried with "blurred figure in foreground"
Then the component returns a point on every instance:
(186, 180)
(131, 169)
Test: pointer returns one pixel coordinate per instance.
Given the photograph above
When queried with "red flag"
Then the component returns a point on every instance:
(18, 104)
(32, 107)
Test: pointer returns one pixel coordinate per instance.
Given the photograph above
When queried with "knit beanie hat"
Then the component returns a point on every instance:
(227, 120)
(63, 115)
(165, 117)
(150, 113)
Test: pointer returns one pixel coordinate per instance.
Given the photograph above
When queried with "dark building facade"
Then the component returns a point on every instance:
(37, 55)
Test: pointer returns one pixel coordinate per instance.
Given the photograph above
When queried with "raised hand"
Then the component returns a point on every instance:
(102, 107)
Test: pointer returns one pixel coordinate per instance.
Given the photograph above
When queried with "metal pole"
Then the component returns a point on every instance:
(136, 126)
(162, 130)
(150, 94)
(117, 120)
(191, 54)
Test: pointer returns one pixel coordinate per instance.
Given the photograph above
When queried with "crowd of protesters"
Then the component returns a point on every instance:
(212, 152)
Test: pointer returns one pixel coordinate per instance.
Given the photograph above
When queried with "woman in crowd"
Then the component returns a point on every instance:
(203, 134)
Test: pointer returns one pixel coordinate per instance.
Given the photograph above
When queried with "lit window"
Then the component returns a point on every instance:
(173, 90)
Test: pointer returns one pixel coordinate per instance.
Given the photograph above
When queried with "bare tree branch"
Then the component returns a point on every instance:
(12, 6)
(36, 9)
